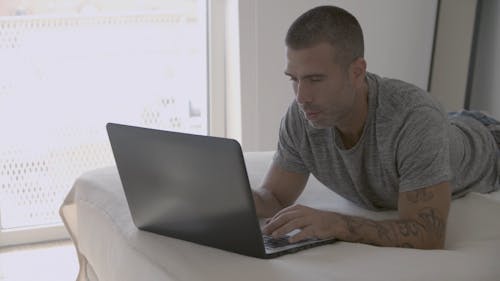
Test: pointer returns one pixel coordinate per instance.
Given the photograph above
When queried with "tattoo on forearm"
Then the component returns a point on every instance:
(402, 233)
(354, 226)
(432, 222)
(421, 195)
(409, 228)
(385, 232)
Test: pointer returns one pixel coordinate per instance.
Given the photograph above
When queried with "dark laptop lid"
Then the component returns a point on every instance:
(189, 187)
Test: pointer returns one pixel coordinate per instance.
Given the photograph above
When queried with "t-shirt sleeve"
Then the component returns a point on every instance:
(291, 135)
(422, 153)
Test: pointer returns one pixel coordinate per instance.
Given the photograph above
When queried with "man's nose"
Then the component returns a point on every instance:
(302, 93)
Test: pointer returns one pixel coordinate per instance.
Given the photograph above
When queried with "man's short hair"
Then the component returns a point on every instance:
(328, 24)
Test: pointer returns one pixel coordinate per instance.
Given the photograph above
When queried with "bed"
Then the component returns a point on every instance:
(110, 247)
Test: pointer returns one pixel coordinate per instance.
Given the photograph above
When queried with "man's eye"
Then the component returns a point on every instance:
(316, 79)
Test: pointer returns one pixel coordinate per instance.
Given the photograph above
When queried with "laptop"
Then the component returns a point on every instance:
(193, 188)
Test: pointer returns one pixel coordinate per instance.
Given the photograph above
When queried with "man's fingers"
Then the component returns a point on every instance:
(307, 220)
(304, 234)
(298, 223)
(278, 221)
(283, 217)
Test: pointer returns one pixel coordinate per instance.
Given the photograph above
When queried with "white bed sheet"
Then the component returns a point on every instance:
(111, 248)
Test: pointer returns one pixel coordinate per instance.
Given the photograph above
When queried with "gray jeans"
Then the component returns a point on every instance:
(489, 122)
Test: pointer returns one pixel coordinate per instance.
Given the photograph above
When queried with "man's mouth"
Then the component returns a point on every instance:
(311, 115)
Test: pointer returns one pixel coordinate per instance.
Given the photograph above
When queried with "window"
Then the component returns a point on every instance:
(68, 68)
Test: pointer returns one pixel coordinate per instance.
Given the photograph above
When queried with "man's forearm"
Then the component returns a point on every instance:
(266, 203)
(423, 214)
(426, 232)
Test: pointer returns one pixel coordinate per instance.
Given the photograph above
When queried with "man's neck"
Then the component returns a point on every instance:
(352, 130)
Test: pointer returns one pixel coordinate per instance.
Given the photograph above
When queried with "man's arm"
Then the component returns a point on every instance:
(422, 221)
(279, 190)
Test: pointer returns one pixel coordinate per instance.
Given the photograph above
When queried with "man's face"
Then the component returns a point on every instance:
(323, 89)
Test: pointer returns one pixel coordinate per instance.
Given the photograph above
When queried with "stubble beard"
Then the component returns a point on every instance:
(317, 125)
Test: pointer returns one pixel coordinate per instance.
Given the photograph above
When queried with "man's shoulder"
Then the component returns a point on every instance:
(401, 108)
(397, 98)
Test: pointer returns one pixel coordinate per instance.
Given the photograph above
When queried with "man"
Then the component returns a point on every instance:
(380, 143)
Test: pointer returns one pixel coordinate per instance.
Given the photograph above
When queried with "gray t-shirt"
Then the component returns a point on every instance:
(408, 142)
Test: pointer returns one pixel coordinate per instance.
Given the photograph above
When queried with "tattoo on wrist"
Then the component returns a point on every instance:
(384, 232)
(353, 224)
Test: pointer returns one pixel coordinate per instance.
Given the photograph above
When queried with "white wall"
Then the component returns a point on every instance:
(485, 94)
(452, 53)
(398, 43)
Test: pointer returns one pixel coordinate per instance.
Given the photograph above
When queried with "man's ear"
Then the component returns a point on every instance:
(358, 70)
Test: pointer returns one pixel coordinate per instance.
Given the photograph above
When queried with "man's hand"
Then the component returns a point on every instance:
(313, 223)
(422, 222)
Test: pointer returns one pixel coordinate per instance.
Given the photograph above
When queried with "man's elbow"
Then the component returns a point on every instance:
(437, 244)
(436, 238)
(433, 246)
(432, 243)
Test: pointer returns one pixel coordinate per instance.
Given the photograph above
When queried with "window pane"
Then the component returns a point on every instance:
(65, 77)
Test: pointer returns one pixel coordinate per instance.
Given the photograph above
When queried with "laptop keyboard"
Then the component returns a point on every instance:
(272, 243)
